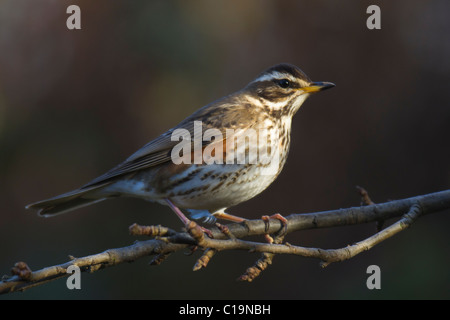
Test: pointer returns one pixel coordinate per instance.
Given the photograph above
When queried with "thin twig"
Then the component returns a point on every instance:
(366, 201)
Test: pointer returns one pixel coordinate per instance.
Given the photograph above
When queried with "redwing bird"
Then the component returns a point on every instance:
(267, 104)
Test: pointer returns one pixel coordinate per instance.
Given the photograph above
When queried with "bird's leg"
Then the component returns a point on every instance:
(279, 217)
(183, 218)
(178, 212)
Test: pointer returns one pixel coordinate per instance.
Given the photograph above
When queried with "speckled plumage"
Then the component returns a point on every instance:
(267, 103)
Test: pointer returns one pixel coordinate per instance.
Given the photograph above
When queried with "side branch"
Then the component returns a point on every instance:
(167, 241)
(327, 256)
(92, 263)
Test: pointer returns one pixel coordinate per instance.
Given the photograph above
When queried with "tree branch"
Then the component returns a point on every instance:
(166, 241)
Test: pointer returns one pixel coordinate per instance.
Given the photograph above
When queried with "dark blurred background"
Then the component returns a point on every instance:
(75, 103)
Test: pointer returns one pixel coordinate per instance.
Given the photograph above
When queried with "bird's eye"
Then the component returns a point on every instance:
(284, 83)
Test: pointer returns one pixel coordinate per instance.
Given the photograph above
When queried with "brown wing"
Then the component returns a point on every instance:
(215, 115)
(155, 152)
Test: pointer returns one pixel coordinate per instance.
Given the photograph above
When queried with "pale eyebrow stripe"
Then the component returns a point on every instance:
(274, 75)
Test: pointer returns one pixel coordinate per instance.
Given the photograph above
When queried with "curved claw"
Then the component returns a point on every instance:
(266, 223)
(279, 217)
(283, 221)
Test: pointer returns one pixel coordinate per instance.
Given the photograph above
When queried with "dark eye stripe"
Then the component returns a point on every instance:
(283, 83)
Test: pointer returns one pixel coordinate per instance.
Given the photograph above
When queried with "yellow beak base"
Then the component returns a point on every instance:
(318, 86)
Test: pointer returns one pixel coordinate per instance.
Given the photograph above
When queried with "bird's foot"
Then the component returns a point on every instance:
(283, 221)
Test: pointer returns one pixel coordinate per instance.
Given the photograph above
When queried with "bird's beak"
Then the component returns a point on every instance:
(317, 86)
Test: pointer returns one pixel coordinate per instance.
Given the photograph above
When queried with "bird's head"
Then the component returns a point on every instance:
(283, 88)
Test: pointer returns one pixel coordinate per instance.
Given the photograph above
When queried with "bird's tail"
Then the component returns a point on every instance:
(67, 202)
